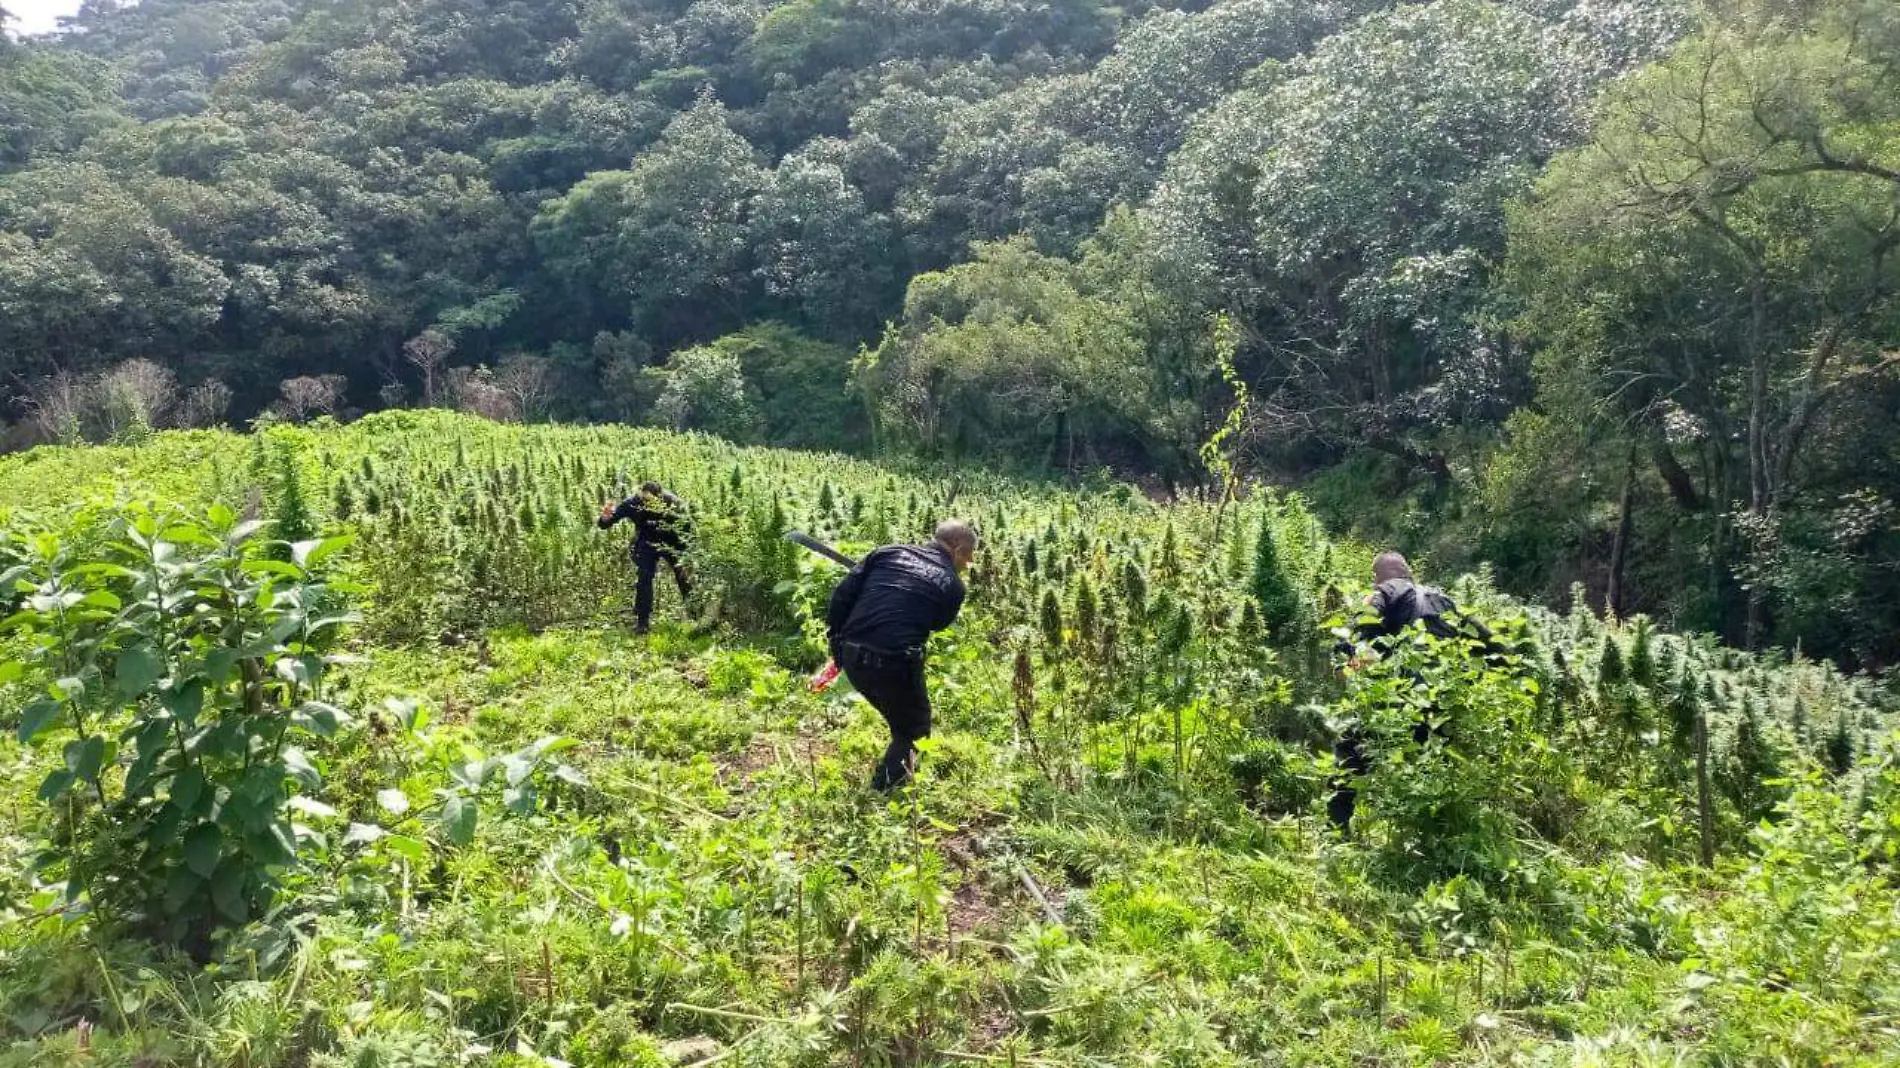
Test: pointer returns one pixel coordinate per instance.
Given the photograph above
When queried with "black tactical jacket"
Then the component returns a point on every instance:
(660, 521)
(895, 598)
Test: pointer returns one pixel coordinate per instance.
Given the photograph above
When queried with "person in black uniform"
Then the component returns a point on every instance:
(1397, 602)
(661, 531)
(879, 620)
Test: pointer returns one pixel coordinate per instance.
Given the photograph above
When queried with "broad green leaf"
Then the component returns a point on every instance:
(221, 664)
(294, 669)
(203, 846)
(36, 717)
(394, 801)
(569, 774)
(458, 820)
(226, 739)
(55, 785)
(297, 764)
(186, 702)
(187, 787)
(164, 828)
(408, 712)
(85, 756)
(152, 738)
(285, 626)
(141, 774)
(273, 567)
(183, 534)
(311, 807)
(10, 671)
(363, 834)
(179, 887)
(107, 570)
(314, 556)
(276, 845)
(473, 773)
(138, 668)
(243, 531)
(518, 768)
(555, 744)
(319, 718)
(414, 850)
(105, 599)
(227, 893)
(326, 622)
(518, 800)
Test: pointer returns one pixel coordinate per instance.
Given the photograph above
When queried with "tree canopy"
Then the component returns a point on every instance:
(1600, 290)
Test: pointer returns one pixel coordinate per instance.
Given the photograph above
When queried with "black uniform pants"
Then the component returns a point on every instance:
(646, 558)
(1349, 752)
(894, 684)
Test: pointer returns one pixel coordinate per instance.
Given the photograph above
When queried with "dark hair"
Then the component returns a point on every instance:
(652, 487)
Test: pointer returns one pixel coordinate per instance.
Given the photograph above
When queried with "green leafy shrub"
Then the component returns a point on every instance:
(181, 673)
(1455, 758)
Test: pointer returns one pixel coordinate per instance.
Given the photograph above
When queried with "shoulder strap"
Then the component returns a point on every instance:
(1456, 622)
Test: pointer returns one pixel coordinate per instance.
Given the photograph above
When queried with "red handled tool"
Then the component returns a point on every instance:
(827, 675)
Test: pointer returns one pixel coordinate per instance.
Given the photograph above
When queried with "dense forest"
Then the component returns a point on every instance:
(1598, 291)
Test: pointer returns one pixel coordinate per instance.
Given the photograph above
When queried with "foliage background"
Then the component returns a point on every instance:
(1597, 291)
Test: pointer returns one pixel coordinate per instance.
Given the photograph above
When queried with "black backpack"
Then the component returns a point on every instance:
(1407, 603)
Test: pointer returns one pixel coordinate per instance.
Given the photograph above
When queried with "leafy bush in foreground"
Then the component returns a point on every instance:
(184, 673)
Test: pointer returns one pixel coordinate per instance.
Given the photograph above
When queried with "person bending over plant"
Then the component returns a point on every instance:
(879, 620)
(662, 530)
(1396, 603)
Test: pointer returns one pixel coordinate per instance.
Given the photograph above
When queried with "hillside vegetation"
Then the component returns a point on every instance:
(1599, 292)
(329, 747)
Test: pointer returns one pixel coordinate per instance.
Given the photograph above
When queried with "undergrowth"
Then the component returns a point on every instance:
(533, 839)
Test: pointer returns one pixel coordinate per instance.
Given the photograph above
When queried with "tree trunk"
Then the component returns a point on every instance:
(1756, 622)
(1620, 550)
(1681, 484)
(1760, 493)
(1705, 814)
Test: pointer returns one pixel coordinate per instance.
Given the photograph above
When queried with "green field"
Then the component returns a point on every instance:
(494, 828)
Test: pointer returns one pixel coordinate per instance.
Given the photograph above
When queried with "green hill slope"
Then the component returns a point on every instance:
(533, 839)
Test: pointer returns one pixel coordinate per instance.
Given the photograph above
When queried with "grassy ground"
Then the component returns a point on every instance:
(723, 885)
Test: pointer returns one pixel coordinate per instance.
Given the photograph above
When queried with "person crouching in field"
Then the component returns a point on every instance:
(880, 618)
(661, 531)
